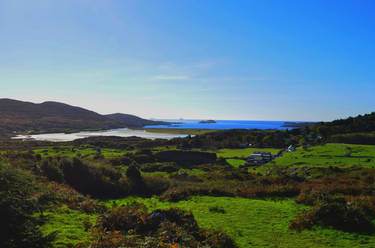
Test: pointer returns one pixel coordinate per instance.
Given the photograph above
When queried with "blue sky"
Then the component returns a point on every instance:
(249, 60)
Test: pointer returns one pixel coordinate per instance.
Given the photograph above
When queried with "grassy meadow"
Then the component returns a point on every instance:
(340, 155)
(256, 222)
(250, 221)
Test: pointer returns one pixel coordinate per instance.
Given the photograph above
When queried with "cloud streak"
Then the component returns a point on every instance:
(170, 77)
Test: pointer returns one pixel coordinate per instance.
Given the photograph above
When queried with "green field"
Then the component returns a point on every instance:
(340, 155)
(69, 226)
(70, 151)
(258, 223)
(235, 162)
(251, 222)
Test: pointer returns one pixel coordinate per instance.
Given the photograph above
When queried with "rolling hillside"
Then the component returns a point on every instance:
(59, 117)
(134, 121)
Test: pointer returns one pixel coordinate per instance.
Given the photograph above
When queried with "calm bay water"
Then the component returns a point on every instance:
(224, 124)
(190, 124)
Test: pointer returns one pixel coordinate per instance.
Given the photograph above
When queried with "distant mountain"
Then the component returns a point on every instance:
(134, 121)
(49, 116)
(59, 117)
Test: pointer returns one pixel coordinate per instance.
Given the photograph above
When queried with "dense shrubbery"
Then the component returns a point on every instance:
(185, 191)
(186, 157)
(96, 181)
(338, 213)
(351, 183)
(354, 138)
(102, 181)
(18, 228)
(159, 228)
(52, 170)
(165, 167)
(343, 201)
(233, 138)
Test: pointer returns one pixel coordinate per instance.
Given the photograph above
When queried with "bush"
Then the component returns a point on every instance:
(17, 227)
(52, 171)
(155, 185)
(185, 192)
(214, 238)
(273, 190)
(122, 161)
(107, 239)
(102, 182)
(161, 228)
(165, 167)
(186, 157)
(143, 158)
(124, 218)
(337, 213)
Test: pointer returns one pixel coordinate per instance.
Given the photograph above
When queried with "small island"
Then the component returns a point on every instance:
(207, 121)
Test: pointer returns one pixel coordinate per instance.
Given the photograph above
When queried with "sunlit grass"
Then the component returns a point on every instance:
(257, 223)
(69, 226)
(340, 155)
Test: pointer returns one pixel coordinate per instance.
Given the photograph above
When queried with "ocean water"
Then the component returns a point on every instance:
(125, 132)
(223, 124)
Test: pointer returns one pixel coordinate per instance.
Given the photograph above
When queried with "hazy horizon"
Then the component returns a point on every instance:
(222, 60)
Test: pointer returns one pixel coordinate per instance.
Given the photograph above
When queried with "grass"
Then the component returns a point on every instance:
(86, 152)
(340, 155)
(235, 162)
(258, 223)
(69, 227)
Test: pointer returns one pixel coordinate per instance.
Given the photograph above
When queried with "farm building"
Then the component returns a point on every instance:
(259, 158)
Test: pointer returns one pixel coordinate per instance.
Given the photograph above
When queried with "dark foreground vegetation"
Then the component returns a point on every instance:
(330, 187)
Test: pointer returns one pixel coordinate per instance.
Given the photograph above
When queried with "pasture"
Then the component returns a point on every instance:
(339, 155)
(256, 222)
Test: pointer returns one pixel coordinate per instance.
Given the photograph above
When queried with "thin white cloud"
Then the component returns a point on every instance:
(170, 77)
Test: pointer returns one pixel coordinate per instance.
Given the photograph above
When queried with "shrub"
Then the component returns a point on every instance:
(122, 161)
(18, 227)
(335, 213)
(143, 158)
(97, 181)
(186, 157)
(214, 238)
(92, 206)
(52, 171)
(108, 239)
(161, 228)
(124, 218)
(166, 167)
(185, 192)
(273, 190)
(155, 185)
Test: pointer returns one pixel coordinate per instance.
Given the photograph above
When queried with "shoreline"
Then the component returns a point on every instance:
(121, 132)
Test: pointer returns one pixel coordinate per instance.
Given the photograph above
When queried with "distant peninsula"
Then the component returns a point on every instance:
(207, 122)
